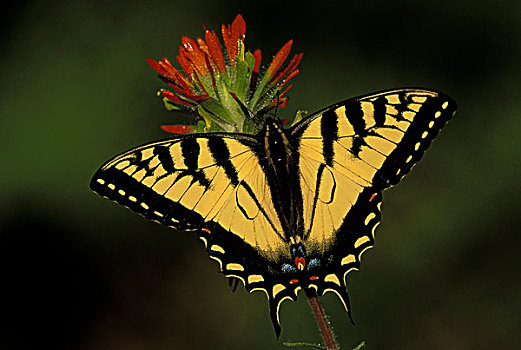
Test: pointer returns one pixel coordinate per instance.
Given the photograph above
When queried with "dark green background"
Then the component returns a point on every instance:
(80, 272)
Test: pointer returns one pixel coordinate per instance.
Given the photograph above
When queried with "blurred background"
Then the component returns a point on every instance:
(80, 272)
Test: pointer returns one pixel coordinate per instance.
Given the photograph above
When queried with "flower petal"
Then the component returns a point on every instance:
(257, 54)
(279, 59)
(202, 45)
(163, 67)
(185, 64)
(172, 97)
(193, 54)
(238, 28)
(290, 76)
(231, 36)
(289, 68)
(215, 50)
(177, 129)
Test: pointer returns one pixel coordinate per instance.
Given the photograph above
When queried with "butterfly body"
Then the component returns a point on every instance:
(286, 209)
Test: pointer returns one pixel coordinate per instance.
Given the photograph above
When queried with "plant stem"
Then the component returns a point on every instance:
(323, 324)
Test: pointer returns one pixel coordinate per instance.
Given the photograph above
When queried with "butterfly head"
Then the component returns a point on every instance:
(273, 124)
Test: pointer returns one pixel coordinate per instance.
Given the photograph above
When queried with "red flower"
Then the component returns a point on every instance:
(232, 36)
(209, 74)
(177, 129)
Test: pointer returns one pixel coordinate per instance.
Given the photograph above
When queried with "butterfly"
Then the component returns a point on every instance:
(286, 209)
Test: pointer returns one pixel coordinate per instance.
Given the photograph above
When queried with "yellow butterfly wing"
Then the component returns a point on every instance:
(347, 154)
(196, 182)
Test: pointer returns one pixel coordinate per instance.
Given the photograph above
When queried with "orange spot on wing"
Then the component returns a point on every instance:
(312, 278)
(293, 281)
(300, 263)
(372, 197)
(206, 230)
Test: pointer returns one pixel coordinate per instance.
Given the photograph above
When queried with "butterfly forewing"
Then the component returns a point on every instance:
(190, 182)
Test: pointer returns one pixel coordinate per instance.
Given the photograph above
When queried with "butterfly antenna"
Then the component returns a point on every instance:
(256, 118)
(277, 106)
(278, 102)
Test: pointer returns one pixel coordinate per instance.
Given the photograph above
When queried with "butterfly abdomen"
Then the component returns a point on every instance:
(281, 172)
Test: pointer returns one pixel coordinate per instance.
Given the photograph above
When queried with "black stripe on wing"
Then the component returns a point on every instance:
(432, 116)
(118, 186)
(329, 131)
(221, 154)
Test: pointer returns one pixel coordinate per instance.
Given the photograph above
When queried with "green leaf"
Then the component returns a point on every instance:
(243, 77)
(259, 90)
(360, 346)
(217, 116)
(201, 126)
(299, 116)
(172, 106)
